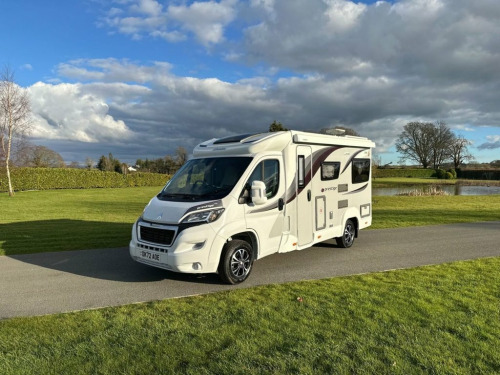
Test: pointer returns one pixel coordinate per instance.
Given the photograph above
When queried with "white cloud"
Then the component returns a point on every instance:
(206, 20)
(112, 70)
(64, 112)
(342, 14)
(148, 7)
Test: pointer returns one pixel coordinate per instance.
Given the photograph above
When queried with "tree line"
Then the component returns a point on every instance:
(166, 165)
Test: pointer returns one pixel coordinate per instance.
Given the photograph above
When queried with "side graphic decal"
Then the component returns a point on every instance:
(351, 159)
(313, 163)
(357, 190)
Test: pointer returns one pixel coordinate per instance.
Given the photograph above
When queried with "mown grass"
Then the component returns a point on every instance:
(58, 220)
(437, 320)
(406, 211)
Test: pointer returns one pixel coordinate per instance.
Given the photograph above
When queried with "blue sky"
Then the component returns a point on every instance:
(138, 78)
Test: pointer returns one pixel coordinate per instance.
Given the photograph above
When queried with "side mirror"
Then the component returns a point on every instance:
(259, 192)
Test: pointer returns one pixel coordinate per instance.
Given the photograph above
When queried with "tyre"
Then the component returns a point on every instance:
(236, 261)
(347, 238)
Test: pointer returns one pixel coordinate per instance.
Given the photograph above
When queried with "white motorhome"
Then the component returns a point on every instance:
(244, 197)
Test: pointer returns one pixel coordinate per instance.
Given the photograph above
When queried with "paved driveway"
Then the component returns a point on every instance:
(49, 283)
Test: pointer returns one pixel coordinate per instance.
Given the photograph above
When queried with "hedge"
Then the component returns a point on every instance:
(71, 178)
(479, 174)
(404, 172)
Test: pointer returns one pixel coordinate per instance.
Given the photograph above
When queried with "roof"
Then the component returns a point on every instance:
(251, 144)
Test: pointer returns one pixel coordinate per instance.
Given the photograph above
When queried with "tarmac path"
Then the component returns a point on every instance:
(38, 284)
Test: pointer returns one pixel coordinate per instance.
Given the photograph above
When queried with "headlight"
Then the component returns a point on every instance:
(208, 216)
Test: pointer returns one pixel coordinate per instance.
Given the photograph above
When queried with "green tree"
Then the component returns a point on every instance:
(277, 127)
(103, 164)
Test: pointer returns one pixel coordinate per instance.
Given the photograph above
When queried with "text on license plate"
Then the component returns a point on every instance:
(150, 256)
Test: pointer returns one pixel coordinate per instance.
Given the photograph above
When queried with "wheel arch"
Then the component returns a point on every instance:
(353, 215)
(223, 238)
(251, 238)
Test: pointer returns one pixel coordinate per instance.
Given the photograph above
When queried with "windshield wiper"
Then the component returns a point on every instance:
(178, 196)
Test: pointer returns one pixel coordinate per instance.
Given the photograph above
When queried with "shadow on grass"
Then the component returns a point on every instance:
(61, 244)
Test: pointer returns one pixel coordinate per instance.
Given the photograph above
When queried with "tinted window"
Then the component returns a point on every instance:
(204, 179)
(330, 170)
(360, 170)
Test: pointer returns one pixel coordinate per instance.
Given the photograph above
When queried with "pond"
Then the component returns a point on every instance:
(448, 189)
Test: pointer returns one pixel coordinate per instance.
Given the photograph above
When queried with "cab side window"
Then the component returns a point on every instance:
(268, 172)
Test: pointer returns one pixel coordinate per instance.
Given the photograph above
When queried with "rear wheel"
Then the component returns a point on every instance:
(236, 261)
(347, 238)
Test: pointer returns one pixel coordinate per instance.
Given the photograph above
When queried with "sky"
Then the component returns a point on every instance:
(139, 78)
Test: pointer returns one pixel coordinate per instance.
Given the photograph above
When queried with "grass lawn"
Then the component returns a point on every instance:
(441, 319)
(57, 220)
(393, 212)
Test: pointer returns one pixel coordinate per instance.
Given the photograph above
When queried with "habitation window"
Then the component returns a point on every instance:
(360, 170)
(301, 171)
(330, 170)
(269, 172)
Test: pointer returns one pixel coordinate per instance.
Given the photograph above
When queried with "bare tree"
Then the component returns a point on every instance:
(181, 156)
(416, 143)
(441, 140)
(458, 151)
(44, 157)
(15, 116)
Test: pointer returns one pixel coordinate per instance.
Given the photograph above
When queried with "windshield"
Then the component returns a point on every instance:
(204, 179)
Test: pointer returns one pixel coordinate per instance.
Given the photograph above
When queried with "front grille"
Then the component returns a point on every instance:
(157, 235)
(153, 248)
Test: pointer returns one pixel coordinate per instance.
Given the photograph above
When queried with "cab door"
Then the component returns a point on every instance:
(267, 219)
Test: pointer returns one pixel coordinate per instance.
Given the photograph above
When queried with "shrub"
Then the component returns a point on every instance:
(440, 173)
(453, 173)
(448, 176)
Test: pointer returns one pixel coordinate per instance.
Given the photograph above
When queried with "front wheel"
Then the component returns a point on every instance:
(347, 238)
(236, 262)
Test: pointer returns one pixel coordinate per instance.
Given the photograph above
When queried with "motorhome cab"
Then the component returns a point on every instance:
(244, 197)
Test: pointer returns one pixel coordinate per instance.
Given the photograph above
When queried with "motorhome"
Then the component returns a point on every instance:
(244, 197)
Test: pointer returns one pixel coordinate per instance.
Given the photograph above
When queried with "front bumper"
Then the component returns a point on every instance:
(189, 253)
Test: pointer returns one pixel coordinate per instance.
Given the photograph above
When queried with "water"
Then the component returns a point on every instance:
(449, 189)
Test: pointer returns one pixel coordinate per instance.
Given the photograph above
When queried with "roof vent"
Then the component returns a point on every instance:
(232, 139)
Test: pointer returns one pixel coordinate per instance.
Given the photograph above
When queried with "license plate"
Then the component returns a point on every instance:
(149, 255)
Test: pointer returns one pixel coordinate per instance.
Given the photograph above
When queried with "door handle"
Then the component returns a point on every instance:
(309, 195)
(281, 204)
